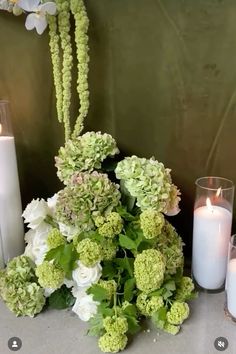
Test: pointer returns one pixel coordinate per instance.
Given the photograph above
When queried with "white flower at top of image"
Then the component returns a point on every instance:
(85, 276)
(52, 202)
(68, 231)
(36, 241)
(37, 18)
(85, 307)
(35, 213)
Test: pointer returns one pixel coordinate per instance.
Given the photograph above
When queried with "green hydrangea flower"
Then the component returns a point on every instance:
(110, 286)
(184, 290)
(112, 225)
(116, 325)
(172, 329)
(179, 312)
(112, 342)
(90, 252)
(49, 275)
(87, 195)
(99, 220)
(171, 246)
(20, 268)
(109, 249)
(148, 306)
(55, 239)
(151, 222)
(148, 181)
(23, 299)
(85, 153)
(149, 269)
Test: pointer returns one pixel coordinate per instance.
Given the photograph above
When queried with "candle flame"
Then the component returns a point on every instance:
(209, 205)
(0, 128)
(218, 192)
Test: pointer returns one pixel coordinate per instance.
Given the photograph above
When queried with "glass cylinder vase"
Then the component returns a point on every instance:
(211, 231)
(11, 223)
(230, 286)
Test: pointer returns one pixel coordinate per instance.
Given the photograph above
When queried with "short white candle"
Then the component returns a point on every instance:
(11, 224)
(211, 235)
(231, 287)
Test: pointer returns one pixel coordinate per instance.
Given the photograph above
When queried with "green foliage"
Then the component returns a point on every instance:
(64, 256)
(159, 317)
(61, 299)
(129, 289)
(98, 292)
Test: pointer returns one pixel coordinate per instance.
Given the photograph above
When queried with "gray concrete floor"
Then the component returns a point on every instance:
(61, 332)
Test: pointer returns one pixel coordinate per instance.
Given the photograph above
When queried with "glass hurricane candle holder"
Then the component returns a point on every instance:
(230, 286)
(11, 223)
(211, 231)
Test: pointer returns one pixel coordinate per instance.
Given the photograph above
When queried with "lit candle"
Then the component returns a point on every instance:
(231, 287)
(11, 224)
(211, 235)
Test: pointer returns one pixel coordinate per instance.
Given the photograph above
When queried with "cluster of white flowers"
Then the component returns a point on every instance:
(36, 238)
(85, 307)
(36, 9)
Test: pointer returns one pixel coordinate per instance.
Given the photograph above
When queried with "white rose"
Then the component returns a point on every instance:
(48, 291)
(52, 202)
(37, 246)
(68, 231)
(85, 307)
(35, 213)
(69, 283)
(84, 276)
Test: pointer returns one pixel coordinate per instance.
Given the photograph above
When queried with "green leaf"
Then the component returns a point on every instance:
(61, 299)
(126, 264)
(108, 270)
(159, 317)
(166, 294)
(96, 325)
(104, 309)
(133, 325)
(98, 292)
(64, 256)
(170, 285)
(127, 243)
(130, 311)
(129, 289)
(125, 214)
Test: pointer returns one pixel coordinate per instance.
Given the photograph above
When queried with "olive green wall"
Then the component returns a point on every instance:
(162, 80)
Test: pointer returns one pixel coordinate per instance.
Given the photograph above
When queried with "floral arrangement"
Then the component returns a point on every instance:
(101, 245)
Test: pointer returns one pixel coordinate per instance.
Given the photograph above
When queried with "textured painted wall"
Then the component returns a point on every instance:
(162, 79)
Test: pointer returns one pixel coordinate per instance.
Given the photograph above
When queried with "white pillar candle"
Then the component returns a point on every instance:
(211, 235)
(11, 223)
(231, 287)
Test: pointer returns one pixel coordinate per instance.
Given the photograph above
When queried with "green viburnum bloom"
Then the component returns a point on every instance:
(116, 325)
(49, 275)
(148, 306)
(148, 181)
(184, 289)
(87, 195)
(172, 329)
(171, 246)
(110, 286)
(90, 252)
(151, 222)
(20, 268)
(149, 269)
(55, 239)
(179, 312)
(85, 153)
(112, 225)
(23, 298)
(112, 342)
(109, 250)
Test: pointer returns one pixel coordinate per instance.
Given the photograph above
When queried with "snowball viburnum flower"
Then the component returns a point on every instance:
(37, 18)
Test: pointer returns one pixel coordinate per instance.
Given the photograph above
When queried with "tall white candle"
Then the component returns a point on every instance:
(231, 287)
(211, 235)
(10, 202)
